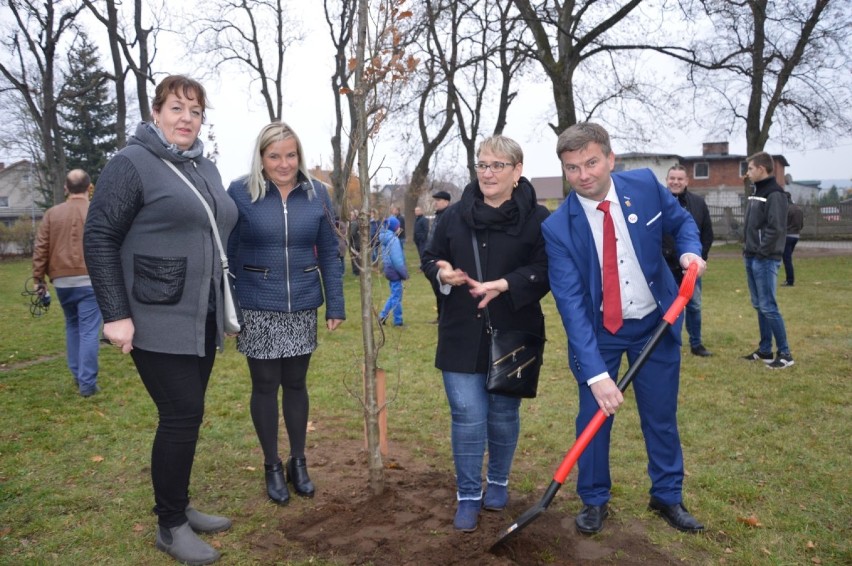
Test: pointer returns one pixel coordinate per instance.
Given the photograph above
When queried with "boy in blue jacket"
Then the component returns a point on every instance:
(393, 261)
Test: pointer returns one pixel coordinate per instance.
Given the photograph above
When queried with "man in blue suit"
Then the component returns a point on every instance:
(642, 210)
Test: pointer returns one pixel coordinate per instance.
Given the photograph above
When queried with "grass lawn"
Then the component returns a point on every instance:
(767, 463)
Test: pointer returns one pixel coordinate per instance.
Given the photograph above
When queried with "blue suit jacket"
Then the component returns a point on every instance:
(575, 272)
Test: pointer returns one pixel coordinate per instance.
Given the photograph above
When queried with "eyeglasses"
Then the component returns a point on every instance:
(495, 167)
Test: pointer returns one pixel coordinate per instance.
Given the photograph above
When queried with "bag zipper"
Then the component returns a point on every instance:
(511, 354)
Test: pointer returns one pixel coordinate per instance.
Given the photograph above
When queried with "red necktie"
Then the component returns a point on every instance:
(611, 289)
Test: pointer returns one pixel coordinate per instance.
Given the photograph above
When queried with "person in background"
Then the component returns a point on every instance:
(157, 274)
(284, 257)
(374, 236)
(421, 231)
(795, 222)
(612, 287)
(354, 242)
(397, 213)
(58, 252)
(395, 271)
(442, 201)
(499, 210)
(676, 180)
(765, 232)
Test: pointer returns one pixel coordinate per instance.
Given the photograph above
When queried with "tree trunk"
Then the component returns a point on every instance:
(371, 407)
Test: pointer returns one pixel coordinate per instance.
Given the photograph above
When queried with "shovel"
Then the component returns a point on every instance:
(531, 514)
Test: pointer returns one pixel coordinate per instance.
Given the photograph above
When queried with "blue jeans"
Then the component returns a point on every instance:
(693, 316)
(789, 246)
(82, 328)
(394, 303)
(479, 419)
(762, 277)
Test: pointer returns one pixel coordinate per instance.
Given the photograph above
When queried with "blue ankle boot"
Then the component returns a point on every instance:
(467, 515)
(496, 497)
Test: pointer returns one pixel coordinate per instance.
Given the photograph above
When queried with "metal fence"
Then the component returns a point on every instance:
(822, 222)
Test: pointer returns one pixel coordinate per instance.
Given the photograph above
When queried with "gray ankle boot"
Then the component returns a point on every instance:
(204, 523)
(182, 544)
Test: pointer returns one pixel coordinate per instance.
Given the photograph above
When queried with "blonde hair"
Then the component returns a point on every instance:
(501, 145)
(271, 133)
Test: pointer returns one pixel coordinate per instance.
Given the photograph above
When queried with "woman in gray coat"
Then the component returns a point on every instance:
(157, 275)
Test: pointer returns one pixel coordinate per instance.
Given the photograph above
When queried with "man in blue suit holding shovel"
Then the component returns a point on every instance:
(612, 287)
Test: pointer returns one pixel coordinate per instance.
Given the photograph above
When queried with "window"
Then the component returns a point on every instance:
(743, 168)
(4, 202)
(701, 170)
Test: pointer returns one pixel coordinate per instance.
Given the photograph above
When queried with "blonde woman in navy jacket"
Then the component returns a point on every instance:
(284, 255)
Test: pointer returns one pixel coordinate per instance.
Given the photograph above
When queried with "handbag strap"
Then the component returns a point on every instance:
(222, 256)
(479, 273)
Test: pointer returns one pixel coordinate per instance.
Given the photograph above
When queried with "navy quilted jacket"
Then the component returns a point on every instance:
(285, 257)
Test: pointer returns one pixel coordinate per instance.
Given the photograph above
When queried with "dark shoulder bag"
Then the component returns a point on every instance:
(515, 355)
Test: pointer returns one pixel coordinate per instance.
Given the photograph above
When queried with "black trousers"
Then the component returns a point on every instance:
(177, 385)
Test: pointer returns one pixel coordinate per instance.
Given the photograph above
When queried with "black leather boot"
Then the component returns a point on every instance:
(276, 484)
(297, 473)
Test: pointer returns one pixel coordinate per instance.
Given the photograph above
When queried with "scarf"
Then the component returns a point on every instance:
(196, 150)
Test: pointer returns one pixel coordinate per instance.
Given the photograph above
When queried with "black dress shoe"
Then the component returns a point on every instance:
(591, 518)
(276, 485)
(297, 474)
(700, 350)
(676, 515)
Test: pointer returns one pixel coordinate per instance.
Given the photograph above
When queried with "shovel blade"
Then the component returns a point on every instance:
(528, 516)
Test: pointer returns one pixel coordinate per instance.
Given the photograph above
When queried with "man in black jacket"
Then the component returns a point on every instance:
(765, 232)
(676, 181)
(421, 231)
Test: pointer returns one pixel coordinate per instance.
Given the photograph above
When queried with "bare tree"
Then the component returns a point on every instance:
(34, 45)
(133, 48)
(488, 42)
(253, 35)
(567, 34)
(387, 69)
(777, 68)
(371, 405)
(434, 90)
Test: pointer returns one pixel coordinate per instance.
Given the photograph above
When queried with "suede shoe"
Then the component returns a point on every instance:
(676, 515)
(591, 518)
(204, 523)
(496, 497)
(182, 544)
(700, 350)
(467, 515)
(276, 484)
(297, 474)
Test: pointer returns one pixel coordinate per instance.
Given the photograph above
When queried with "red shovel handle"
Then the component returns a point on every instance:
(684, 294)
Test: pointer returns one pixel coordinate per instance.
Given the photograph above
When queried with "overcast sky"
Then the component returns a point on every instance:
(309, 110)
(238, 114)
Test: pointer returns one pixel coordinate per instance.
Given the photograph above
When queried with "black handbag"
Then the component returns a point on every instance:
(515, 355)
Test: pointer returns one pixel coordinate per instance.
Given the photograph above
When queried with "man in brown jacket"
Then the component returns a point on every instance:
(59, 254)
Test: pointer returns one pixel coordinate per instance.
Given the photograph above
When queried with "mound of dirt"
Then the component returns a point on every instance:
(411, 522)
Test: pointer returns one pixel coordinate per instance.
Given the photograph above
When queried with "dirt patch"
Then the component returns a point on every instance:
(411, 522)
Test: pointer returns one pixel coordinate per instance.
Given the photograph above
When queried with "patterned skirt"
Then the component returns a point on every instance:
(268, 335)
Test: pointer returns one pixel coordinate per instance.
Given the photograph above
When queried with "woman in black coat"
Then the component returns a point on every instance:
(500, 209)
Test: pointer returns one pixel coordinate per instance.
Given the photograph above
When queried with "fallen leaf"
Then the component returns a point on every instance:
(751, 521)
(811, 544)
(766, 551)
(250, 468)
(216, 543)
(138, 528)
(97, 458)
(816, 560)
(311, 427)
(729, 551)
